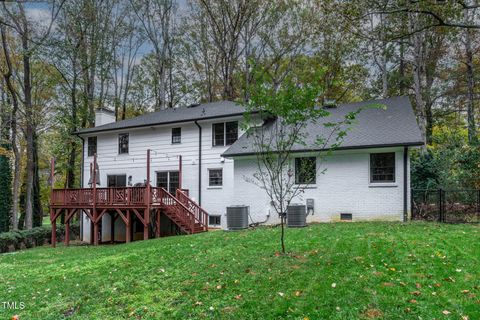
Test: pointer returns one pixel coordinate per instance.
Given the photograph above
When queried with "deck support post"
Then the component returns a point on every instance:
(128, 227)
(52, 211)
(91, 228)
(146, 213)
(112, 227)
(54, 227)
(146, 217)
(157, 228)
(95, 228)
(95, 213)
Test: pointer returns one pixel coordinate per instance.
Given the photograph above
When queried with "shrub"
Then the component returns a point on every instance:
(38, 236)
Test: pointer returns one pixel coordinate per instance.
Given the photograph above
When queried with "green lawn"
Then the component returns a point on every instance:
(334, 271)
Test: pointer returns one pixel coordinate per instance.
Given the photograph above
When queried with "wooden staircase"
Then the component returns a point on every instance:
(183, 211)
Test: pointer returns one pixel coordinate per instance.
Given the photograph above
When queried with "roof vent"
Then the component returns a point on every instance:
(329, 103)
(193, 105)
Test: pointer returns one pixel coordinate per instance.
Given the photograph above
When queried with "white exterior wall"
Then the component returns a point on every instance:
(343, 188)
(164, 157)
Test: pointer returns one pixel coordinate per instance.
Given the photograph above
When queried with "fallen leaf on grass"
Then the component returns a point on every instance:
(373, 313)
(416, 293)
(446, 312)
(465, 291)
(334, 285)
(418, 285)
(388, 284)
(298, 293)
(238, 297)
(281, 294)
(412, 301)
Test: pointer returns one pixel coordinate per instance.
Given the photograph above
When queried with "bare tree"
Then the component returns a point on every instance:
(157, 19)
(288, 109)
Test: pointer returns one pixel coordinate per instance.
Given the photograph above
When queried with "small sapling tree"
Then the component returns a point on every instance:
(287, 111)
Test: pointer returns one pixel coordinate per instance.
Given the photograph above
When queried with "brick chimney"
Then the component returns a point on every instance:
(104, 116)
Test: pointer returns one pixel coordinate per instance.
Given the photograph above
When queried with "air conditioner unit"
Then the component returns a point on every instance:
(296, 216)
(237, 217)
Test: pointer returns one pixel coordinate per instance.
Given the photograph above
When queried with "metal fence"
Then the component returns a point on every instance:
(451, 206)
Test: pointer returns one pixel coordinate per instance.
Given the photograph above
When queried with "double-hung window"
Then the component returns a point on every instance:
(305, 170)
(215, 177)
(382, 167)
(176, 135)
(92, 146)
(224, 133)
(123, 143)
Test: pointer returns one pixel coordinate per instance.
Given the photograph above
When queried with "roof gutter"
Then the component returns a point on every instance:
(408, 144)
(88, 131)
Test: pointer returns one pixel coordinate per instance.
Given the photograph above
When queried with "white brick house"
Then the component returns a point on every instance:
(216, 159)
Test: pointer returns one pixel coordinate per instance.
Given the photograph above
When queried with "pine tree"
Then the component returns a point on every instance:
(5, 188)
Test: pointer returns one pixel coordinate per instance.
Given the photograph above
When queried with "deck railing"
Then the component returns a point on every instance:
(200, 214)
(123, 196)
(185, 210)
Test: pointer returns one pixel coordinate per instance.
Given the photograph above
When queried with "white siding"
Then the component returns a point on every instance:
(164, 157)
(343, 188)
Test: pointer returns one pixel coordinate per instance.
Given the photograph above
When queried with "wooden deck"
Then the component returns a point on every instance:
(144, 203)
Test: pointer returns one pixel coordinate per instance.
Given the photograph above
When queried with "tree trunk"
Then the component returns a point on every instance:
(29, 127)
(418, 66)
(13, 126)
(472, 134)
(37, 213)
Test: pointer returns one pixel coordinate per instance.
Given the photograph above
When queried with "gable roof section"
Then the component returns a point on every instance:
(394, 125)
(173, 115)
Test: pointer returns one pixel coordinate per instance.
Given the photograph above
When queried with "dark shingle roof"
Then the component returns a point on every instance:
(174, 115)
(392, 125)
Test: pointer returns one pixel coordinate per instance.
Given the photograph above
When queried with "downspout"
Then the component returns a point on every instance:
(199, 163)
(81, 182)
(405, 184)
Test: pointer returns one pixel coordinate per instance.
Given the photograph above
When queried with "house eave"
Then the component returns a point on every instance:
(93, 130)
(372, 146)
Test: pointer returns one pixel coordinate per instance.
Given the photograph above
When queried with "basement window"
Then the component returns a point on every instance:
(382, 167)
(92, 146)
(345, 216)
(214, 220)
(123, 143)
(176, 135)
